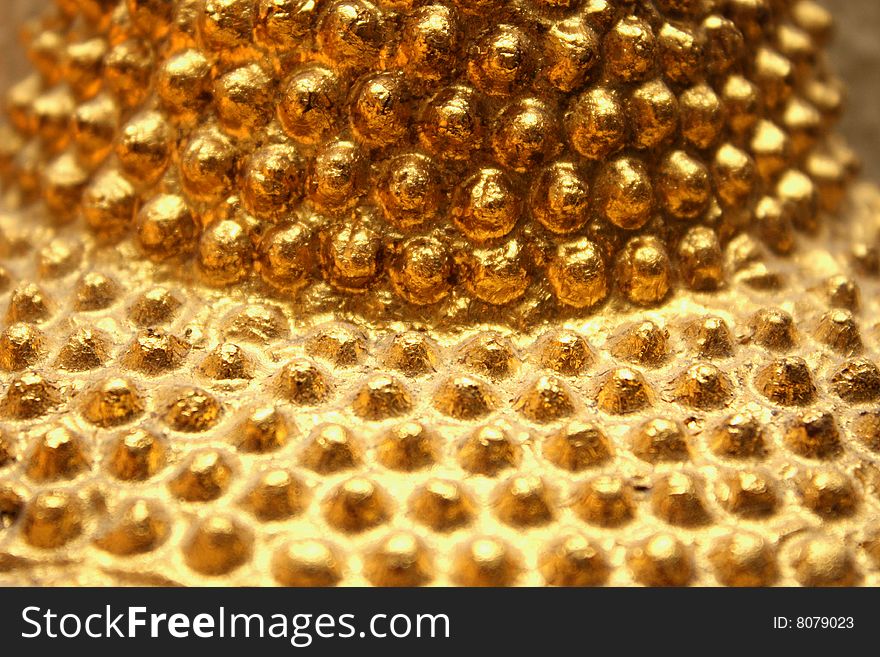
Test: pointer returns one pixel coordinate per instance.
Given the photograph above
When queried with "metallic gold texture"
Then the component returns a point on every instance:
(483, 292)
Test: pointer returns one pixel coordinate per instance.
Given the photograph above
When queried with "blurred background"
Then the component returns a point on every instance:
(855, 54)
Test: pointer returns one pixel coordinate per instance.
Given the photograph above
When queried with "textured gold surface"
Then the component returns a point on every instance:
(486, 292)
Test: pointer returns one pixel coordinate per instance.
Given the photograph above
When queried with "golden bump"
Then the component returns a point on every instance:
(112, 402)
(137, 455)
(28, 303)
(11, 506)
(823, 561)
(205, 477)
(407, 447)
(141, 526)
(578, 274)
(624, 194)
(412, 354)
(217, 545)
(21, 346)
(155, 306)
(744, 559)
(58, 258)
(574, 561)
(678, 499)
(29, 396)
(486, 562)
(565, 352)
(356, 505)
(738, 436)
(263, 430)
(227, 362)
(578, 445)
(165, 226)
(275, 495)
(154, 351)
(787, 381)
(332, 448)
(710, 337)
(829, 493)
(866, 427)
(58, 454)
(485, 206)
(464, 398)
(340, 344)
(192, 410)
(52, 519)
(401, 559)
(490, 355)
(624, 391)
(442, 505)
(662, 561)
(224, 254)
(382, 397)
(703, 386)
(303, 383)
(560, 198)
(749, 493)
(95, 291)
(487, 451)
(524, 501)
(645, 343)
(839, 330)
(857, 381)
(660, 440)
(605, 501)
(814, 434)
(843, 292)
(546, 399)
(307, 563)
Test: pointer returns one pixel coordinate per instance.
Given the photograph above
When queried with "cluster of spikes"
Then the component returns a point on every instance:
(543, 154)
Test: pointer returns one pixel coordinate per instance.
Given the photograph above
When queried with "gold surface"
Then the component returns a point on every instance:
(487, 292)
